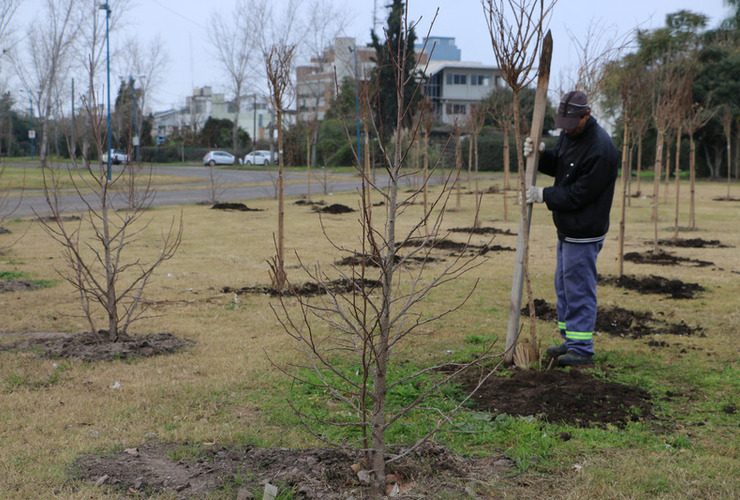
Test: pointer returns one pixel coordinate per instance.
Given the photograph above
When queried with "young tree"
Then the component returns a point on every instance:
(516, 30)
(234, 41)
(696, 118)
(279, 67)
(96, 248)
(371, 321)
(500, 105)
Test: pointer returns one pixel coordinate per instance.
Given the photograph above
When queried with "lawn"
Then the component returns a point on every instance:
(226, 391)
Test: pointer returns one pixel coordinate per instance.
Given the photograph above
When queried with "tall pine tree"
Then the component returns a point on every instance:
(384, 74)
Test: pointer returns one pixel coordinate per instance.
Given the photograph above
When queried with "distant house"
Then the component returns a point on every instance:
(455, 86)
(316, 82)
(254, 116)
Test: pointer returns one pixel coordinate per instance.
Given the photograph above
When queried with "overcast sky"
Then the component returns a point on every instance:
(183, 25)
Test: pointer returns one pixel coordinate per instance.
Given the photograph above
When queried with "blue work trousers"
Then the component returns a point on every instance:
(575, 286)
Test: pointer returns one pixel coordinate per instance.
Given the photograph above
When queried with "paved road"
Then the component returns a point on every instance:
(233, 186)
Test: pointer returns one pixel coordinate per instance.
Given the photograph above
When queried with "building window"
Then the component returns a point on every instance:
(482, 80)
(455, 109)
(456, 79)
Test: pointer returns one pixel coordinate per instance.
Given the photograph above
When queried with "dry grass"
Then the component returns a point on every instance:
(53, 411)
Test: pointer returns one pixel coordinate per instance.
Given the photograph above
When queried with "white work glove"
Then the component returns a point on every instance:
(528, 147)
(534, 195)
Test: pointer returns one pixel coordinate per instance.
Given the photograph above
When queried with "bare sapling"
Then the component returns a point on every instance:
(97, 248)
(698, 116)
(279, 66)
(347, 340)
(516, 28)
(669, 84)
(727, 117)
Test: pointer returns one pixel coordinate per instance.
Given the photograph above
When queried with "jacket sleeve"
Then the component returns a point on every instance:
(592, 177)
(548, 160)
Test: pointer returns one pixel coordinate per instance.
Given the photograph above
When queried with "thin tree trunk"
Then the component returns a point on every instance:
(280, 264)
(692, 181)
(678, 183)
(656, 186)
(507, 168)
(623, 214)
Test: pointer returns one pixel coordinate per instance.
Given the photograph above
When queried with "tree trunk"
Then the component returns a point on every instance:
(678, 183)
(656, 185)
(623, 214)
(280, 263)
(507, 168)
(692, 181)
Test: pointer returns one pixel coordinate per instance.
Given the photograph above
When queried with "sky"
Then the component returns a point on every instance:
(183, 25)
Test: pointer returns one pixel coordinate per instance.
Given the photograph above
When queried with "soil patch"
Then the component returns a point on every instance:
(621, 322)
(675, 289)
(17, 286)
(725, 198)
(335, 208)
(664, 259)
(319, 203)
(306, 289)
(4, 230)
(241, 207)
(482, 230)
(155, 468)
(557, 396)
(456, 247)
(366, 260)
(63, 218)
(692, 243)
(86, 347)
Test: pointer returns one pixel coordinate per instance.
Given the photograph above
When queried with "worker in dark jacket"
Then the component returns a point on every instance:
(584, 163)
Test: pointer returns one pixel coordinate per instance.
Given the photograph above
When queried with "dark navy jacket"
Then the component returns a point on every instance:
(585, 171)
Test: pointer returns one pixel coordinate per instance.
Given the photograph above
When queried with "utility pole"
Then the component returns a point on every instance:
(136, 139)
(106, 7)
(31, 132)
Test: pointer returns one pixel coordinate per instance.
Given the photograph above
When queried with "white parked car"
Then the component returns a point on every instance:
(260, 157)
(218, 158)
(117, 156)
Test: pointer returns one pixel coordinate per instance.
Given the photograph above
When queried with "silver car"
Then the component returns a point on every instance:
(259, 157)
(218, 158)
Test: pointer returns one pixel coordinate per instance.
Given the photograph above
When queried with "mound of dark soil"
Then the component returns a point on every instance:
(664, 259)
(4, 230)
(675, 289)
(358, 260)
(557, 396)
(241, 207)
(17, 286)
(336, 208)
(320, 203)
(482, 230)
(306, 289)
(456, 247)
(621, 322)
(692, 243)
(725, 198)
(63, 218)
(430, 472)
(86, 347)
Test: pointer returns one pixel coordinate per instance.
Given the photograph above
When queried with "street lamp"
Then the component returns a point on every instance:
(137, 139)
(353, 49)
(106, 8)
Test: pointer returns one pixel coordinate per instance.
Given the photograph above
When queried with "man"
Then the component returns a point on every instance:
(584, 163)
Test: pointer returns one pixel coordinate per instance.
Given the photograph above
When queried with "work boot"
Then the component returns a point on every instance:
(572, 358)
(556, 350)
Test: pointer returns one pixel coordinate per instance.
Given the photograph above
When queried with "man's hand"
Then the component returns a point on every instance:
(534, 195)
(528, 147)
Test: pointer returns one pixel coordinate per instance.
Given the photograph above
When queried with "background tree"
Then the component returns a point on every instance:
(698, 116)
(49, 49)
(388, 53)
(234, 40)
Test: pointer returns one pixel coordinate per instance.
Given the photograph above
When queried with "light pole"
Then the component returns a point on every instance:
(106, 7)
(31, 132)
(353, 49)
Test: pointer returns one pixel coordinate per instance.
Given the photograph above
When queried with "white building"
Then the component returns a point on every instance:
(455, 86)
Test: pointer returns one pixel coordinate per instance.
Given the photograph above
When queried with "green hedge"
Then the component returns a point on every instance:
(491, 152)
